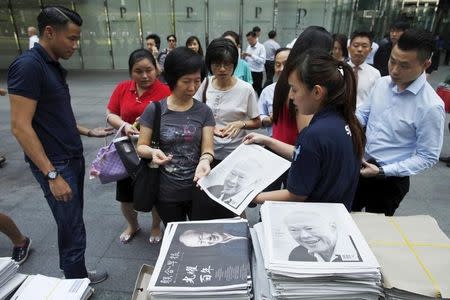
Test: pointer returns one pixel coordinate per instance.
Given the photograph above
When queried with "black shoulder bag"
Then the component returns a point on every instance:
(146, 182)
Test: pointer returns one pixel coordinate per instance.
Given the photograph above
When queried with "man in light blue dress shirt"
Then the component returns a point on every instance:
(404, 120)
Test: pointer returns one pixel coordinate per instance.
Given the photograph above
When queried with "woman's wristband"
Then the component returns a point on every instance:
(244, 124)
(205, 156)
(207, 153)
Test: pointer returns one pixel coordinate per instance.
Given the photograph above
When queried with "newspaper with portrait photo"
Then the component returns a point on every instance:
(311, 250)
(204, 259)
(242, 175)
(323, 233)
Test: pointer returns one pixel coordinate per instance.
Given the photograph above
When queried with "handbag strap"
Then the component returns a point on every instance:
(156, 124)
(205, 89)
(117, 133)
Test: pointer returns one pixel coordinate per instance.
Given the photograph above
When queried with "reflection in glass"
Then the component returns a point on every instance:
(258, 13)
(8, 48)
(156, 18)
(95, 44)
(25, 15)
(190, 19)
(125, 37)
(223, 16)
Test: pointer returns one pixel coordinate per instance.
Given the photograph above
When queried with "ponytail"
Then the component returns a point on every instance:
(348, 109)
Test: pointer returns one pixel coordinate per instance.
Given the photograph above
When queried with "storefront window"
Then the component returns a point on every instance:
(258, 13)
(157, 18)
(112, 29)
(8, 46)
(94, 43)
(223, 16)
(125, 30)
(190, 19)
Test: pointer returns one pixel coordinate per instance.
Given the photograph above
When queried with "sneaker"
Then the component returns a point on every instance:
(20, 254)
(97, 276)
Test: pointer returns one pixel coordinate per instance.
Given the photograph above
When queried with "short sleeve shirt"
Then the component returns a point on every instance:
(239, 103)
(35, 75)
(243, 72)
(126, 103)
(180, 135)
(325, 166)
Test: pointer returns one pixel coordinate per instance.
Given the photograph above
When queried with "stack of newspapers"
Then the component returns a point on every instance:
(9, 278)
(40, 287)
(203, 260)
(312, 251)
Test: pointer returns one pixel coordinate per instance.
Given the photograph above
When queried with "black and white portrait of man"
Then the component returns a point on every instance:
(203, 238)
(318, 239)
(238, 184)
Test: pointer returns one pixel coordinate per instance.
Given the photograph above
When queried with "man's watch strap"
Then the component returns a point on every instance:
(381, 173)
(51, 175)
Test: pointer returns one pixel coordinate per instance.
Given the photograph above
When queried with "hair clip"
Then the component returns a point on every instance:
(340, 69)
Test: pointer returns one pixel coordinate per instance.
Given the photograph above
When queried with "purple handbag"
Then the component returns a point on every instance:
(108, 166)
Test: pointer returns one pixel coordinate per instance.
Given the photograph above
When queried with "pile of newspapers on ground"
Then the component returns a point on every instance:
(204, 260)
(39, 287)
(312, 251)
(9, 278)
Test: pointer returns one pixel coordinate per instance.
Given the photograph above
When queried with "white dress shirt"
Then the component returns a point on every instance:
(271, 47)
(404, 129)
(33, 39)
(367, 75)
(371, 55)
(258, 59)
(265, 104)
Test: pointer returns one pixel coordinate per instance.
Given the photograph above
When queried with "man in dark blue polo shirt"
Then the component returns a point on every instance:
(43, 122)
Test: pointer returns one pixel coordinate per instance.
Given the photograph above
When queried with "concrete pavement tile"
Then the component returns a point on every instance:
(138, 248)
(122, 273)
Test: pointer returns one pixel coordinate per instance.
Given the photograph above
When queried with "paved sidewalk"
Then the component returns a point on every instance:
(22, 199)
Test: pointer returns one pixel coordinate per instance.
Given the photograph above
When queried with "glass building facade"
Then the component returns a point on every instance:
(114, 28)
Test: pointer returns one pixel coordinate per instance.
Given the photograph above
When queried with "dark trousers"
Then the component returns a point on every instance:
(68, 216)
(257, 82)
(270, 70)
(380, 195)
(174, 211)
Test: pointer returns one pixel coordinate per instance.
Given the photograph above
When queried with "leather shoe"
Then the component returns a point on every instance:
(2, 160)
(445, 159)
(448, 164)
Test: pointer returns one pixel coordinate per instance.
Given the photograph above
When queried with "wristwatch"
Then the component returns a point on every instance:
(51, 175)
(381, 173)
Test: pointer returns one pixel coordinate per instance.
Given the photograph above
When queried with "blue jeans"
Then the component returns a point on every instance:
(68, 216)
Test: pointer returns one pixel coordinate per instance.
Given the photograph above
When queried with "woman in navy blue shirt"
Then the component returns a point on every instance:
(326, 159)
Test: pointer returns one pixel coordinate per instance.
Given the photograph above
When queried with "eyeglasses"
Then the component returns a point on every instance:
(224, 65)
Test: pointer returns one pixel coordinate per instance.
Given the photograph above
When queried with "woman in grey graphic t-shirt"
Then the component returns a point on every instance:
(186, 136)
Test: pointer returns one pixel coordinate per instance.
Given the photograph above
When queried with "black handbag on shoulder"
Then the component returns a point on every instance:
(146, 180)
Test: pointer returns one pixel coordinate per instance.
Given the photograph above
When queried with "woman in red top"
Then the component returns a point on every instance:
(127, 103)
